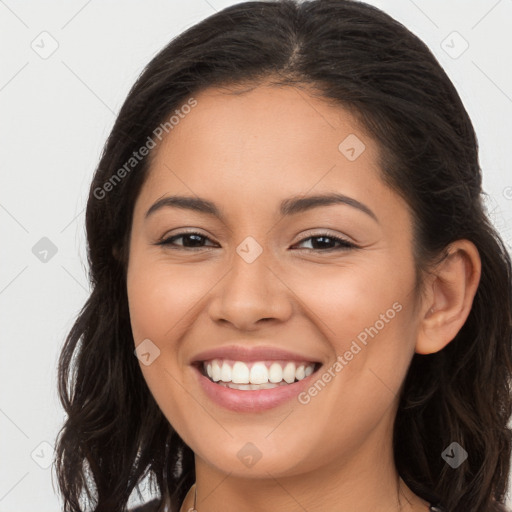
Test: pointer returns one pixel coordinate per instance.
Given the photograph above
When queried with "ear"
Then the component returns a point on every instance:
(450, 293)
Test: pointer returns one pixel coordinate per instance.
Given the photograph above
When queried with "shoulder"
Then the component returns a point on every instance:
(151, 506)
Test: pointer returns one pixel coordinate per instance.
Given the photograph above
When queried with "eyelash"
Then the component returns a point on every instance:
(345, 245)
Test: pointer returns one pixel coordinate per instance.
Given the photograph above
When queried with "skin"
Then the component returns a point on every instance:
(247, 153)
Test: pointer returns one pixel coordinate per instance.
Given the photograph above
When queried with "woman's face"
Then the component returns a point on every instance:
(268, 273)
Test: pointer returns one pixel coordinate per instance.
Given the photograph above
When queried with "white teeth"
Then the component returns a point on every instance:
(251, 387)
(275, 373)
(239, 373)
(257, 373)
(289, 373)
(225, 373)
(215, 370)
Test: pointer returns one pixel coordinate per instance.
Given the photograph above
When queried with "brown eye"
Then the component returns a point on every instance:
(190, 240)
(324, 242)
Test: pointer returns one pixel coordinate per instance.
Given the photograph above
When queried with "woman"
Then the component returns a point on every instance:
(298, 301)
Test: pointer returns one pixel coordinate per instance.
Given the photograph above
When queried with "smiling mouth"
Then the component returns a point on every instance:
(256, 375)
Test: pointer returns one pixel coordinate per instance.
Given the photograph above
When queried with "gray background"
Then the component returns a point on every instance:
(66, 68)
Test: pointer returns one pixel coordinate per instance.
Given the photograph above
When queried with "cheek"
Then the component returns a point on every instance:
(161, 296)
(344, 300)
(364, 311)
(148, 300)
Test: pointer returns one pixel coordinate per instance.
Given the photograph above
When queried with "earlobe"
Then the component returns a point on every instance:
(450, 297)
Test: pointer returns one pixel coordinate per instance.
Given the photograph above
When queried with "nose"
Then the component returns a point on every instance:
(250, 295)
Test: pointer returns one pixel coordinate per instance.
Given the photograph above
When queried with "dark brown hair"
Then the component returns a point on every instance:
(361, 59)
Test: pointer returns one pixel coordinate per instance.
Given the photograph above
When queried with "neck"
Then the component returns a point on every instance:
(369, 482)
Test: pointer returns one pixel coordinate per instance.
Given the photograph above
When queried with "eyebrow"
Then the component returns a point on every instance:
(290, 206)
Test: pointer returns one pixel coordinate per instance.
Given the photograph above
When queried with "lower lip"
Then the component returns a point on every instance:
(251, 400)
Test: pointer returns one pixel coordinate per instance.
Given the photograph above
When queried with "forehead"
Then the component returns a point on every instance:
(262, 144)
(289, 120)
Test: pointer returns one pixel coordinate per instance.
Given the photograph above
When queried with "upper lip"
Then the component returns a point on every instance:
(248, 354)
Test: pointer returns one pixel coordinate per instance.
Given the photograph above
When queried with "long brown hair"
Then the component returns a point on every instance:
(360, 58)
